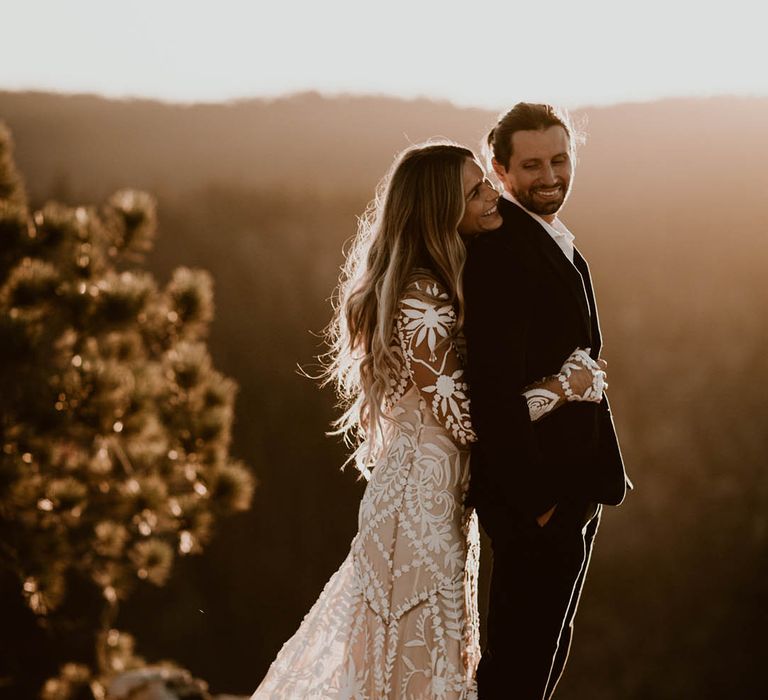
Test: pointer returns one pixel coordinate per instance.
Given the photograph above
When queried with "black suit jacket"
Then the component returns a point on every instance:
(527, 308)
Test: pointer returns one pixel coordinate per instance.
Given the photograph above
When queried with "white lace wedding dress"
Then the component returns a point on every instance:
(399, 618)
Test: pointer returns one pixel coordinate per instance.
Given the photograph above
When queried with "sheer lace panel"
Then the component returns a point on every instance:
(424, 328)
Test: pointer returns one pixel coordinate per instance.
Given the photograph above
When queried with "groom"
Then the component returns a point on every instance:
(537, 487)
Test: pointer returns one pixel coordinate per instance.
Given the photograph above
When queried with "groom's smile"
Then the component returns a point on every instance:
(549, 193)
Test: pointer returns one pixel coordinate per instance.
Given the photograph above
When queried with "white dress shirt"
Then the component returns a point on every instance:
(557, 229)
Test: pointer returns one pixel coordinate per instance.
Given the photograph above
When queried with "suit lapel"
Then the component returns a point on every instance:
(581, 265)
(544, 243)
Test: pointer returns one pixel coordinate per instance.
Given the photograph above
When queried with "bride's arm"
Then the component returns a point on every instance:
(425, 325)
(580, 379)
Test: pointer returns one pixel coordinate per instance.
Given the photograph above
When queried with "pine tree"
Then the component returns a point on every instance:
(114, 425)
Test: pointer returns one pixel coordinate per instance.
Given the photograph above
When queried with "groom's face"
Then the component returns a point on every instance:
(539, 171)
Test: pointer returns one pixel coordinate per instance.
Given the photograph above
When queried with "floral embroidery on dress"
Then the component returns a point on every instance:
(399, 619)
(436, 366)
(427, 320)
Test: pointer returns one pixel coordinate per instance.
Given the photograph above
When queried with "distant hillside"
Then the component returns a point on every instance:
(304, 142)
(666, 156)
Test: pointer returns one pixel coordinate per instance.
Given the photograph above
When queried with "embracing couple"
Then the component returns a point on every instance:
(466, 349)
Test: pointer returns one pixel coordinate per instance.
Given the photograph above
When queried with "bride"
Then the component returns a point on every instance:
(399, 618)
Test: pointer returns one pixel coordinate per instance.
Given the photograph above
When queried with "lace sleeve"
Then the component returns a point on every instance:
(425, 323)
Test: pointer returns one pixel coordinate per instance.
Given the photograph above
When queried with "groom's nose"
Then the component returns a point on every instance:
(548, 175)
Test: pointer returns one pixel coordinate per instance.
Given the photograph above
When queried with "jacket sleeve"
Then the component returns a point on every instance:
(496, 328)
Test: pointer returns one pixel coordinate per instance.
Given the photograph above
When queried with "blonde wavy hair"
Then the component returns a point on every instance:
(407, 231)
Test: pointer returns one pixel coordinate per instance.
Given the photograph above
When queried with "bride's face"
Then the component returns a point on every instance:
(480, 197)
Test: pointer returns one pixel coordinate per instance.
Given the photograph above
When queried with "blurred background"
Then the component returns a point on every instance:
(262, 188)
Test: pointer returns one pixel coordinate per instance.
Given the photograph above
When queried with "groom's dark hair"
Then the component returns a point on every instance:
(524, 116)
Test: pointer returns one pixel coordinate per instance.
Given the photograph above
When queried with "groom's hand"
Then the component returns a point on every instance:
(543, 519)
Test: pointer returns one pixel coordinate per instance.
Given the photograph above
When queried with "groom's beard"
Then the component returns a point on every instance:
(543, 206)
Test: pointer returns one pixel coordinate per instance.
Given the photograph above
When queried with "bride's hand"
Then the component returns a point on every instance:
(585, 377)
(581, 379)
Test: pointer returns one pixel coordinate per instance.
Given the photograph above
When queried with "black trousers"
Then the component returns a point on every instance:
(538, 574)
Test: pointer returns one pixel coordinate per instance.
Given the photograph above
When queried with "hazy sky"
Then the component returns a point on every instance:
(473, 53)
